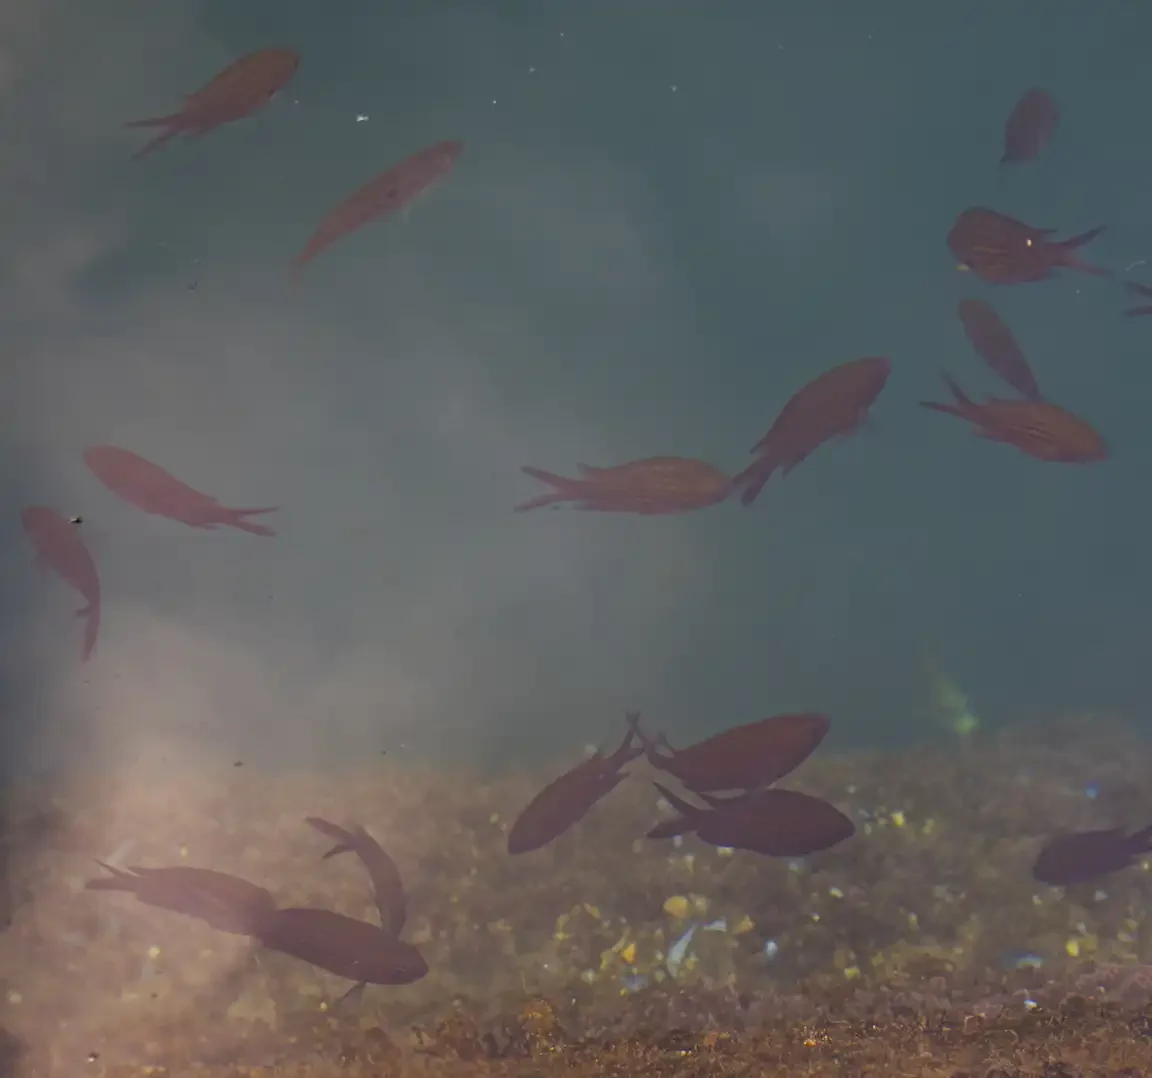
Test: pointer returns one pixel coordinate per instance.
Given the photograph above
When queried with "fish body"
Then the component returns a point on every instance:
(834, 404)
(360, 951)
(242, 88)
(1030, 126)
(1087, 855)
(1039, 429)
(59, 547)
(391, 901)
(225, 902)
(776, 823)
(386, 193)
(653, 486)
(1002, 250)
(742, 757)
(150, 488)
(994, 343)
(567, 799)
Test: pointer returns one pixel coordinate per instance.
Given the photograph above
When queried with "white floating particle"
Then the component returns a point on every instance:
(361, 117)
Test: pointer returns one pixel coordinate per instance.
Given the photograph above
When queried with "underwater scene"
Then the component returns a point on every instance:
(575, 539)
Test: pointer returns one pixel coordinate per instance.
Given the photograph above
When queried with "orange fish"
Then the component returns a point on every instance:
(833, 404)
(147, 486)
(652, 487)
(741, 757)
(239, 90)
(387, 886)
(777, 823)
(226, 902)
(995, 344)
(1140, 290)
(379, 197)
(59, 546)
(1001, 250)
(1030, 127)
(1040, 429)
(566, 800)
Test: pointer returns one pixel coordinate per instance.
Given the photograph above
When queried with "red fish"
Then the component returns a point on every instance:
(1037, 428)
(59, 547)
(995, 344)
(777, 823)
(742, 757)
(381, 196)
(833, 404)
(147, 486)
(1140, 290)
(391, 902)
(226, 902)
(566, 800)
(653, 486)
(1001, 250)
(239, 90)
(1030, 126)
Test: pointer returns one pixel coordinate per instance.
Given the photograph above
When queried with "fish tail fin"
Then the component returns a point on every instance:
(1074, 261)
(170, 120)
(1083, 238)
(172, 127)
(344, 838)
(962, 399)
(671, 828)
(118, 881)
(566, 489)
(753, 478)
(235, 518)
(296, 268)
(947, 409)
(1142, 840)
(91, 628)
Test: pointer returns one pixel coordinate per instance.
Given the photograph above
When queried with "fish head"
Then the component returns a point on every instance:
(399, 963)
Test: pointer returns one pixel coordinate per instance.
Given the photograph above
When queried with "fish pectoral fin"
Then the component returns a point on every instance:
(84, 611)
(353, 995)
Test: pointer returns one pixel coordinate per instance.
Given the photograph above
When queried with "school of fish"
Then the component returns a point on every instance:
(744, 763)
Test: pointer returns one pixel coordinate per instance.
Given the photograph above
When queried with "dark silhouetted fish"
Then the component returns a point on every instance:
(60, 547)
(386, 882)
(388, 192)
(653, 486)
(1038, 428)
(995, 344)
(226, 902)
(1140, 290)
(239, 90)
(566, 800)
(778, 823)
(742, 757)
(1088, 855)
(1030, 127)
(150, 488)
(360, 951)
(1001, 250)
(834, 404)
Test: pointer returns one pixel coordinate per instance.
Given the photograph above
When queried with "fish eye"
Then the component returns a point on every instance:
(1028, 242)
